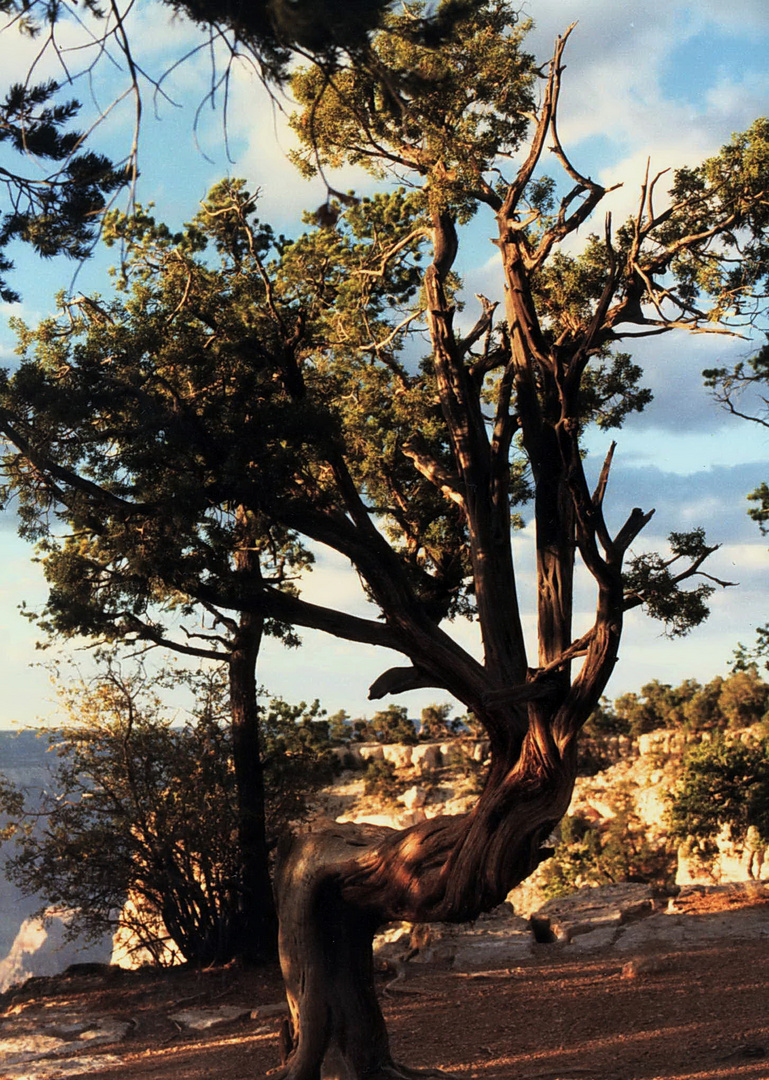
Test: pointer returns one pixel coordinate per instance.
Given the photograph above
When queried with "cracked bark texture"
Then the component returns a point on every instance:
(337, 884)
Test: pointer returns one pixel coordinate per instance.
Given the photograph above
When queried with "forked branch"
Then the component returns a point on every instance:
(549, 104)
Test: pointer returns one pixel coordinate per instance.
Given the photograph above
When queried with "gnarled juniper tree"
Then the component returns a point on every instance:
(413, 470)
(528, 382)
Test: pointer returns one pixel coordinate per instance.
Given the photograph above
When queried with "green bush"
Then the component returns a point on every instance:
(380, 779)
(723, 786)
(390, 725)
(436, 723)
(147, 808)
(473, 772)
(613, 851)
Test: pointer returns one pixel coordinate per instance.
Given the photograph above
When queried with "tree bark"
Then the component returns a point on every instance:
(338, 884)
(255, 924)
(327, 960)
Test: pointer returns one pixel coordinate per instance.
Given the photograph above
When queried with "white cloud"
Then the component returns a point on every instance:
(743, 14)
(750, 556)
(733, 98)
(613, 86)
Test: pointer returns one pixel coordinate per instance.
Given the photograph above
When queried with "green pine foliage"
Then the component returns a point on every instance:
(62, 212)
(739, 700)
(380, 780)
(230, 381)
(58, 213)
(390, 725)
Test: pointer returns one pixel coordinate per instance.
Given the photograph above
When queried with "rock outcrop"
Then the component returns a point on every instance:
(595, 911)
(38, 1042)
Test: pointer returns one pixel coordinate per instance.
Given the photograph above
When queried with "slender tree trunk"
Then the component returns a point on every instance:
(255, 934)
(554, 515)
(256, 925)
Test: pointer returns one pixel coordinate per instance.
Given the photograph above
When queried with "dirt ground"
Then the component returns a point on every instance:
(699, 1014)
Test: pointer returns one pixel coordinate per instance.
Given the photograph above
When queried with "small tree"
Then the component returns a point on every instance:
(296, 751)
(145, 811)
(340, 727)
(744, 698)
(657, 705)
(390, 725)
(170, 417)
(723, 788)
(436, 722)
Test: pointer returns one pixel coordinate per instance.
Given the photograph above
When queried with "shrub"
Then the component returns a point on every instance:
(473, 772)
(147, 809)
(723, 787)
(390, 725)
(380, 779)
(613, 851)
(436, 723)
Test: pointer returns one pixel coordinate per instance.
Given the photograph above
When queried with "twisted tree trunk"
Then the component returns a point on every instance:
(337, 885)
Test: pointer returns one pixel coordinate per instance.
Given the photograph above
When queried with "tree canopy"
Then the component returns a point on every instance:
(279, 396)
(59, 208)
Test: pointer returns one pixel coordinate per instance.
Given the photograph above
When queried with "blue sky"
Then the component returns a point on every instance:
(670, 85)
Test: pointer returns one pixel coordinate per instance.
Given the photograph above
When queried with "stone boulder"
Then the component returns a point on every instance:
(745, 862)
(389, 820)
(495, 940)
(371, 752)
(413, 797)
(601, 908)
(203, 1019)
(427, 757)
(401, 756)
(491, 954)
(33, 1044)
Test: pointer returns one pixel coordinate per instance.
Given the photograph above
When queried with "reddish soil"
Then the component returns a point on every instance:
(699, 1014)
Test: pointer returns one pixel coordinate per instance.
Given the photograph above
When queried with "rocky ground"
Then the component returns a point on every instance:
(615, 983)
(621, 986)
